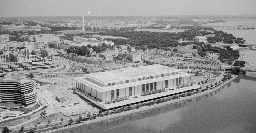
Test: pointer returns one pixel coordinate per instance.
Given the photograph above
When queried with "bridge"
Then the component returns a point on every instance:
(248, 67)
(249, 70)
(238, 27)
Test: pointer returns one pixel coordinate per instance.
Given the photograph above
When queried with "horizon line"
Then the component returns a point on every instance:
(125, 15)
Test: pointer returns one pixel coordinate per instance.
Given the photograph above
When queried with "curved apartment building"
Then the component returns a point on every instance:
(132, 85)
(19, 91)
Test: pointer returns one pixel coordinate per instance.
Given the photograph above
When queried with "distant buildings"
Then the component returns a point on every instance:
(17, 49)
(212, 56)
(210, 35)
(134, 56)
(4, 37)
(200, 39)
(235, 47)
(86, 41)
(43, 38)
(81, 41)
(183, 41)
(109, 54)
(17, 90)
(123, 48)
(104, 87)
(22, 51)
(4, 57)
(21, 27)
(31, 46)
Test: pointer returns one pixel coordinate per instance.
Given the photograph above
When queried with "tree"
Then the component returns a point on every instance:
(44, 53)
(31, 130)
(6, 130)
(43, 113)
(80, 118)
(175, 50)
(70, 121)
(84, 51)
(196, 73)
(51, 45)
(89, 115)
(48, 122)
(33, 53)
(12, 58)
(21, 129)
(194, 47)
(31, 75)
(235, 70)
(34, 39)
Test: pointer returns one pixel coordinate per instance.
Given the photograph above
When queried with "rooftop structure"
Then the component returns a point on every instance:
(131, 73)
(104, 87)
(200, 39)
(212, 56)
(134, 56)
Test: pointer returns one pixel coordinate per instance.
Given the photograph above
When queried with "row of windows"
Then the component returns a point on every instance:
(146, 87)
(9, 91)
(117, 93)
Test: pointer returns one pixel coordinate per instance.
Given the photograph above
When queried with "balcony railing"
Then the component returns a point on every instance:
(117, 100)
(165, 89)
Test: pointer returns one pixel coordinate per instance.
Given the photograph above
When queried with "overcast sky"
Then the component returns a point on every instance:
(14, 8)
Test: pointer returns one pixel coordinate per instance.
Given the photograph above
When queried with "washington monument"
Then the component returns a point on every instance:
(83, 21)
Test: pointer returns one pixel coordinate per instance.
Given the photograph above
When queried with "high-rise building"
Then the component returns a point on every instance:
(18, 90)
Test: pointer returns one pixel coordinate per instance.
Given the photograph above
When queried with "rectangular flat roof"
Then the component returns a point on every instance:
(13, 79)
(131, 73)
(118, 86)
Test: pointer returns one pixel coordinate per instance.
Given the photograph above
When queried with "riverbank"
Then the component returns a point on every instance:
(106, 119)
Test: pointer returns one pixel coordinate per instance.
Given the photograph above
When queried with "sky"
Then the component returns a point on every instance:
(20, 8)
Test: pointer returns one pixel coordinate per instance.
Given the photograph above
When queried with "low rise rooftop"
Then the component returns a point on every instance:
(131, 73)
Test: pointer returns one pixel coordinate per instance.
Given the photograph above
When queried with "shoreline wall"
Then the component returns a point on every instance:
(136, 114)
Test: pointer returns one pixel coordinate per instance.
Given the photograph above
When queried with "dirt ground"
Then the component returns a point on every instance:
(61, 99)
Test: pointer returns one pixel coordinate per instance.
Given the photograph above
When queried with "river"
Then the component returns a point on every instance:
(232, 110)
(248, 35)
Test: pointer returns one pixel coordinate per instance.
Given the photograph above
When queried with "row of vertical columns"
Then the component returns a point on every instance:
(133, 90)
(88, 90)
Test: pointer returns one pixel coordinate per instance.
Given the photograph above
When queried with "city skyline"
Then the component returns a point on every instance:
(24, 8)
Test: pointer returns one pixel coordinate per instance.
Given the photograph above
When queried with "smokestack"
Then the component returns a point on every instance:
(83, 22)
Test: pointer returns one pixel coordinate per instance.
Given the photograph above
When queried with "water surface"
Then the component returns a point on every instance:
(232, 110)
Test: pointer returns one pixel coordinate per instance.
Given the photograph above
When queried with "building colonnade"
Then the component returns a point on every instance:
(131, 89)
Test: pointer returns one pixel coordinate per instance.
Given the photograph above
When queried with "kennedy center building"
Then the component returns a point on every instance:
(130, 84)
